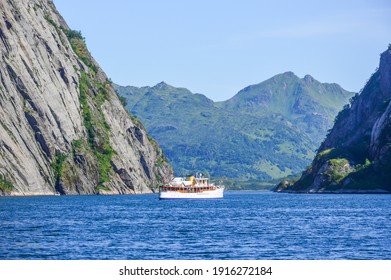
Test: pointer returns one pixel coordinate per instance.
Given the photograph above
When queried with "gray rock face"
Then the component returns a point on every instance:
(381, 132)
(367, 123)
(62, 127)
(355, 124)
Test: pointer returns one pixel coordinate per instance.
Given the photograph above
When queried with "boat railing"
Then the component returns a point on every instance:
(187, 188)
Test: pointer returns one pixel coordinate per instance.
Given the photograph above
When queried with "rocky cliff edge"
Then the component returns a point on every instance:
(355, 157)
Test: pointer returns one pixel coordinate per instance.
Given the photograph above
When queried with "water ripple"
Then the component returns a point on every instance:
(243, 225)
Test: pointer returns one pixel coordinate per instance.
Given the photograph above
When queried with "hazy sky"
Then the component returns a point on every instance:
(219, 47)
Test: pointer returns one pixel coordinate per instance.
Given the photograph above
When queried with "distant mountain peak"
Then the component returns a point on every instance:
(289, 74)
(308, 79)
(162, 85)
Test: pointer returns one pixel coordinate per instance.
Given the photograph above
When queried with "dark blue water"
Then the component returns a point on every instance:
(243, 225)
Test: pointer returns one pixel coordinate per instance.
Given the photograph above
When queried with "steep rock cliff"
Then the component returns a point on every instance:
(356, 154)
(62, 127)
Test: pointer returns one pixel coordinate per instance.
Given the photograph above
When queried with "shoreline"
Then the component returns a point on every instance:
(376, 191)
(358, 192)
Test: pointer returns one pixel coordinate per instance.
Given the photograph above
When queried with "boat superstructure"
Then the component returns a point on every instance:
(193, 187)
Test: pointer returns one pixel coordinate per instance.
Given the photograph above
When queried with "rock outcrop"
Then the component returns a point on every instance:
(62, 127)
(356, 154)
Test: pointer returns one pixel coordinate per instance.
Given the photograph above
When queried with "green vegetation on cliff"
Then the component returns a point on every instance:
(97, 128)
(5, 185)
(93, 94)
(58, 166)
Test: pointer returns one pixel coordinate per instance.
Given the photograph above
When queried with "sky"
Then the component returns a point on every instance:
(219, 47)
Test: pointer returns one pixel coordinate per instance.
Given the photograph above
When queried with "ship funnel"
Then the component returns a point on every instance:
(192, 179)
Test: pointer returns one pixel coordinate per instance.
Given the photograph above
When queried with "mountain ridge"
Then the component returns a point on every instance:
(241, 120)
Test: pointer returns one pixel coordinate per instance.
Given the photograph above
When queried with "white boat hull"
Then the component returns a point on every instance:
(218, 193)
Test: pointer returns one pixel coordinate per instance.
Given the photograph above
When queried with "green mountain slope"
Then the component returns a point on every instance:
(266, 131)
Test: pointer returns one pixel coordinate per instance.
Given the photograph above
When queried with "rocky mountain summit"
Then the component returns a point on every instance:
(356, 154)
(62, 127)
(266, 131)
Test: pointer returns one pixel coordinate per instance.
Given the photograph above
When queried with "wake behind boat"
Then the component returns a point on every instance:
(192, 188)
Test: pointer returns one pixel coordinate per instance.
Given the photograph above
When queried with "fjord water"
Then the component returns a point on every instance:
(243, 225)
